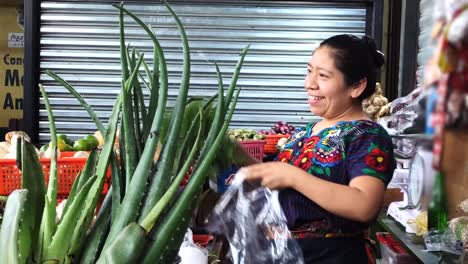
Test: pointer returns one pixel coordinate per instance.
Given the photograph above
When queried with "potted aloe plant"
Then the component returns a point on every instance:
(141, 220)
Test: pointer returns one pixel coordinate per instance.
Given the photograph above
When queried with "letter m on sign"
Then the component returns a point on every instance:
(12, 78)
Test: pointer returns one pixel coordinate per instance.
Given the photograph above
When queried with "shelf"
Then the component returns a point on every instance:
(414, 136)
(415, 249)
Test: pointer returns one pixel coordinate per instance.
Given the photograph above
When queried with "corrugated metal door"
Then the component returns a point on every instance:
(79, 41)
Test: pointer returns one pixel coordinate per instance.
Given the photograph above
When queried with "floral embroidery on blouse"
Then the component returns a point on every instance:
(337, 154)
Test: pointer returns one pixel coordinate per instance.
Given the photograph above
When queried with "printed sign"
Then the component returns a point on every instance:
(11, 67)
(16, 40)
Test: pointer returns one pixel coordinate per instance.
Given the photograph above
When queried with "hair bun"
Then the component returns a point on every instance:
(379, 57)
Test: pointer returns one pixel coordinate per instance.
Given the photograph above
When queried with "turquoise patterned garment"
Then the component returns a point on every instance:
(338, 154)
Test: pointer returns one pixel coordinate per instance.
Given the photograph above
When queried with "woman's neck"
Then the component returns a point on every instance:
(353, 113)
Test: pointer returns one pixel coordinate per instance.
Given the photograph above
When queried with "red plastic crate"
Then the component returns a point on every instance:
(67, 170)
(271, 141)
(254, 148)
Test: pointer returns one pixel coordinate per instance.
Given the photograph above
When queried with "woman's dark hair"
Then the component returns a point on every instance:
(357, 58)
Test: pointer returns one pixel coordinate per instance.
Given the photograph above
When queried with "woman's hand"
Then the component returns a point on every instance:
(274, 175)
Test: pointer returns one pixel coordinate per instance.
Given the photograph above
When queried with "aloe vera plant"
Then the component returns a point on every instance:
(143, 218)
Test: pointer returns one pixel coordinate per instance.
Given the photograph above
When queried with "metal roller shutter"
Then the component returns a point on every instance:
(79, 41)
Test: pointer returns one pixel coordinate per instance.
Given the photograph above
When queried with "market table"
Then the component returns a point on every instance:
(412, 244)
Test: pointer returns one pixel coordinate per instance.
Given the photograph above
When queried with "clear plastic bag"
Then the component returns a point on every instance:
(252, 220)
(408, 114)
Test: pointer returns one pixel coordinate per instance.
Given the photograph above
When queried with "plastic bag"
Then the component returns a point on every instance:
(252, 220)
(408, 114)
(191, 253)
(451, 240)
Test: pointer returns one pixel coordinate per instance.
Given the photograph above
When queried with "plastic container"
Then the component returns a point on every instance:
(271, 141)
(254, 148)
(202, 240)
(224, 179)
(391, 251)
(67, 170)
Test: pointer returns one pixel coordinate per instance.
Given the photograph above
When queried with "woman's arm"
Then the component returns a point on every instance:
(359, 201)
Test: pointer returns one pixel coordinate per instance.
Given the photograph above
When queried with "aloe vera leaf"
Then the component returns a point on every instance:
(48, 218)
(142, 113)
(72, 194)
(89, 168)
(217, 121)
(88, 252)
(145, 114)
(103, 163)
(116, 186)
(10, 227)
(160, 181)
(61, 241)
(149, 75)
(33, 181)
(156, 69)
(94, 117)
(142, 78)
(235, 76)
(131, 154)
(117, 177)
(164, 254)
(39, 249)
(228, 98)
(164, 239)
(187, 135)
(123, 48)
(126, 247)
(169, 252)
(106, 152)
(78, 236)
(157, 103)
(131, 202)
(83, 224)
(191, 111)
(80, 180)
(139, 109)
(155, 85)
(183, 149)
(149, 221)
(116, 182)
(83, 103)
(220, 107)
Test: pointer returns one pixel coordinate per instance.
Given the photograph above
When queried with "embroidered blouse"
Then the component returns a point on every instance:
(338, 154)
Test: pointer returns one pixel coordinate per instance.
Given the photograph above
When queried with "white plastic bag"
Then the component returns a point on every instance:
(252, 220)
(191, 253)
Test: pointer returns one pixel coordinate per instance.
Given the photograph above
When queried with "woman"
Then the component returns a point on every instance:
(332, 174)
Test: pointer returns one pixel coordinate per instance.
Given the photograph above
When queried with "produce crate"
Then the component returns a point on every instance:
(271, 141)
(67, 170)
(254, 148)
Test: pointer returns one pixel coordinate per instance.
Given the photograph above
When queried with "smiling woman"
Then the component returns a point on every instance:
(333, 173)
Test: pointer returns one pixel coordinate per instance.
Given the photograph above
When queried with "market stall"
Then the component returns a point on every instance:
(132, 149)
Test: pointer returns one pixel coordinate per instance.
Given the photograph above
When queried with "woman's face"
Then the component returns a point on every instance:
(328, 95)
